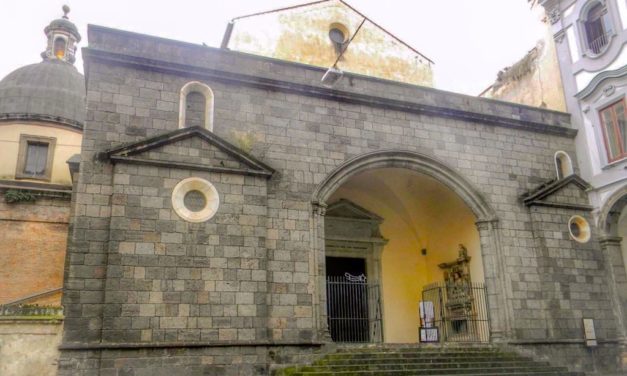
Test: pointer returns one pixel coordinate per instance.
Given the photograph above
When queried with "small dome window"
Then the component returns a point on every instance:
(59, 47)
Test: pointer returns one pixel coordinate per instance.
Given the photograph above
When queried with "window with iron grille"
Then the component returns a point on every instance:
(614, 126)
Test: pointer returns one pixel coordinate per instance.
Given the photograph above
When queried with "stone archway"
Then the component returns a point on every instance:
(607, 220)
(612, 223)
(487, 222)
(411, 161)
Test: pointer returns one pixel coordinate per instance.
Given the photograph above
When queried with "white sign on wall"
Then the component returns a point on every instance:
(589, 333)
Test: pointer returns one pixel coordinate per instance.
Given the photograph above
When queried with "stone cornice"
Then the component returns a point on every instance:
(535, 196)
(58, 121)
(599, 79)
(610, 240)
(187, 166)
(42, 189)
(197, 72)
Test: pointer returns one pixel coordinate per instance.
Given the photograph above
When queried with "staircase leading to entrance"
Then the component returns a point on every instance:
(425, 360)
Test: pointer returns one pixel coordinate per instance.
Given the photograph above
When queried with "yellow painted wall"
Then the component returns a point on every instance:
(302, 35)
(68, 143)
(418, 213)
(541, 86)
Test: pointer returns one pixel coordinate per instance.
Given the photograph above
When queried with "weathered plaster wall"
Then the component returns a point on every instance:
(29, 347)
(302, 35)
(32, 248)
(540, 82)
(419, 213)
(68, 143)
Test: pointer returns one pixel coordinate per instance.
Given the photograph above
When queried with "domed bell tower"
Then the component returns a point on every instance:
(62, 39)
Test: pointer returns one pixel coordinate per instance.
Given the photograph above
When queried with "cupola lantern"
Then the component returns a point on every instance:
(62, 39)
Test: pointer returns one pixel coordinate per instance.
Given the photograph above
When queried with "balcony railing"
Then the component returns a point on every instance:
(597, 45)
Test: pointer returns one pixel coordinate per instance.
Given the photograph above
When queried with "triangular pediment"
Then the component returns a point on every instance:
(251, 29)
(347, 209)
(193, 148)
(569, 192)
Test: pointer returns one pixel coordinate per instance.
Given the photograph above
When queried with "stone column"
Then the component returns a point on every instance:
(617, 287)
(495, 281)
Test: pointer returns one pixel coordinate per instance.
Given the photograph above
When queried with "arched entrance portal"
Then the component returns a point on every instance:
(409, 214)
(613, 220)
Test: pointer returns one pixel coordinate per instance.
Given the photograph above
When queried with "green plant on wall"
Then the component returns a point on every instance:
(18, 195)
(244, 140)
(248, 141)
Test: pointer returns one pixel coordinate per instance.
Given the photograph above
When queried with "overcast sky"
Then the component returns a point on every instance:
(469, 40)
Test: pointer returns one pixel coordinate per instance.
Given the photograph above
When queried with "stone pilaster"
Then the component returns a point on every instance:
(318, 272)
(617, 283)
(496, 286)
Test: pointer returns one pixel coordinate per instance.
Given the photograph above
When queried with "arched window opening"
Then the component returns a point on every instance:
(563, 165)
(196, 106)
(598, 28)
(59, 47)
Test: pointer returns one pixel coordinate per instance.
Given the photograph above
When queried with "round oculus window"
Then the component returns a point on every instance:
(337, 35)
(195, 200)
(579, 229)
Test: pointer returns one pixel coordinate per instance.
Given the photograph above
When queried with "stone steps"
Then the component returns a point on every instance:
(425, 360)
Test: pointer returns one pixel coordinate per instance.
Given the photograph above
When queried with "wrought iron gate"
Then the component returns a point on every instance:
(353, 309)
(460, 311)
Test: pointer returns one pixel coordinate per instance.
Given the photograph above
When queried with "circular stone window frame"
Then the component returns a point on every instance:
(585, 232)
(212, 199)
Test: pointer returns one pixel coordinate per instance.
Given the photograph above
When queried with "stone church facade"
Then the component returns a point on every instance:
(197, 241)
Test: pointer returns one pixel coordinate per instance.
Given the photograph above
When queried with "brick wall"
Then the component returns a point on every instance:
(32, 248)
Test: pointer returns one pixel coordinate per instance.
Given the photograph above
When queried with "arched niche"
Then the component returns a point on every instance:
(563, 165)
(192, 109)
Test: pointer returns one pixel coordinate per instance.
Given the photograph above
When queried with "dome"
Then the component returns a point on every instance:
(63, 24)
(52, 90)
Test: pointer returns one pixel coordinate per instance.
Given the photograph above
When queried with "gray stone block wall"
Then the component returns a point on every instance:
(561, 282)
(170, 281)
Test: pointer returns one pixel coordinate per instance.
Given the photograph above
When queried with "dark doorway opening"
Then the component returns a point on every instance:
(339, 266)
(347, 294)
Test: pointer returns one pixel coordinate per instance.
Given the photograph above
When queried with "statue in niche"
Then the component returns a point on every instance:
(458, 291)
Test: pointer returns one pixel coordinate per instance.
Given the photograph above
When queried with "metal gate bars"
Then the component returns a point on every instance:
(354, 309)
(459, 311)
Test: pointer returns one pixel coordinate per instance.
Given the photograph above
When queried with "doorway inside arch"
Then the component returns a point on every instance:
(396, 238)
